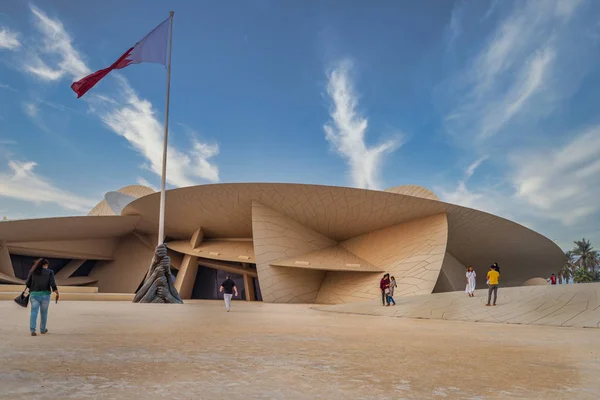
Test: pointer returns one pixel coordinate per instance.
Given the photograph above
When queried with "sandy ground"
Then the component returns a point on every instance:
(98, 350)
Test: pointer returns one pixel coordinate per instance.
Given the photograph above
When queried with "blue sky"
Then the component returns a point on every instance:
(492, 105)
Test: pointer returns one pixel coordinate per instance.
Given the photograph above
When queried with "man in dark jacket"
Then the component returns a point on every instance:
(228, 288)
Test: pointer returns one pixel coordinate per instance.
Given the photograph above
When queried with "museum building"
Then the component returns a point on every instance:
(281, 243)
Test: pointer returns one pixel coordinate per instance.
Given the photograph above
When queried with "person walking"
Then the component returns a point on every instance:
(470, 282)
(553, 279)
(493, 277)
(228, 288)
(391, 287)
(39, 284)
(383, 284)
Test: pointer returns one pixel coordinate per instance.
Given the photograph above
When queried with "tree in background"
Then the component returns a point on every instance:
(580, 263)
(583, 275)
(587, 257)
(568, 268)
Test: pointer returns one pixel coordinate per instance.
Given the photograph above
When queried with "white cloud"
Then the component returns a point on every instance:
(480, 199)
(57, 43)
(566, 9)
(531, 79)
(519, 72)
(473, 167)
(563, 182)
(31, 109)
(144, 182)
(22, 183)
(506, 103)
(7, 87)
(347, 128)
(135, 119)
(462, 196)
(9, 40)
(490, 11)
(125, 113)
(454, 28)
(553, 187)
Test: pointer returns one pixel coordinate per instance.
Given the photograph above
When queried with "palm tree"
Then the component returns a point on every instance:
(566, 271)
(583, 275)
(586, 255)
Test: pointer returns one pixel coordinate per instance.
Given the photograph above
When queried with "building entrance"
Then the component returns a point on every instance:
(209, 280)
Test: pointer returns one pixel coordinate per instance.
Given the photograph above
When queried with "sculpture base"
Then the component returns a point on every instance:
(158, 285)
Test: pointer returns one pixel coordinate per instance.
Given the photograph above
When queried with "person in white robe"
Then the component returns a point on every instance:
(470, 290)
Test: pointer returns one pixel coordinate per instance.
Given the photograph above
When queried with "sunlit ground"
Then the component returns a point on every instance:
(262, 351)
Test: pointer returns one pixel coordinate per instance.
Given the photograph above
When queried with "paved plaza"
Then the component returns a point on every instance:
(119, 350)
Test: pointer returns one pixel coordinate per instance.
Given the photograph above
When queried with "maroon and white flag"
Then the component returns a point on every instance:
(152, 48)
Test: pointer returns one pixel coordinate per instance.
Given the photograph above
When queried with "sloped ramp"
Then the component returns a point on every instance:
(575, 305)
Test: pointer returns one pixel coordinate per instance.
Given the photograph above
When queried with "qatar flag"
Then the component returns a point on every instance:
(152, 48)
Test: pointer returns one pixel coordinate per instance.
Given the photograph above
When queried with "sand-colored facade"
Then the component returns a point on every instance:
(290, 243)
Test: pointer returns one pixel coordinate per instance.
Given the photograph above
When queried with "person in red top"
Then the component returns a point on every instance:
(553, 279)
(383, 284)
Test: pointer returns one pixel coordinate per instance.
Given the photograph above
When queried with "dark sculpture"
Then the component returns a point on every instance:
(158, 285)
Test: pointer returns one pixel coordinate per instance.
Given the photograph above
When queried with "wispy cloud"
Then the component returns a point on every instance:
(518, 64)
(473, 167)
(566, 9)
(462, 195)
(530, 80)
(125, 113)
(31, 109)
(491, 9)
(135, 119)
(21, 182)
(545, 186)
(508, 97)
(9, 40)
(7, 87)
(347, 128)
(561, 182)
(56, 42)
(454, 28)
(144, 182)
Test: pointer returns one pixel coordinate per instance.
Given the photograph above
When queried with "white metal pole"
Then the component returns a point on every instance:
(161, 218)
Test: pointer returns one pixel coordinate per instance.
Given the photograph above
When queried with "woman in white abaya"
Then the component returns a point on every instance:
(470, 282)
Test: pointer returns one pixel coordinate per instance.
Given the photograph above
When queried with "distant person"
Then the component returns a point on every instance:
(553, 279)
(383, 284)
(39, 284)
(496, 267)
(470, 290)
(493, 276)
(390, 294)
(228, 288)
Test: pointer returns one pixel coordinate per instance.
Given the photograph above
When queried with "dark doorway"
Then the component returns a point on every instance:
(209, 280)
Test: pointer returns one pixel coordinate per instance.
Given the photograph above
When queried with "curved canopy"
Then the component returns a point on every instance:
(339, 213)
(66, 228)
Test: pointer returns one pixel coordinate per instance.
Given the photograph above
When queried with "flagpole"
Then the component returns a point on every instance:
(161, 218)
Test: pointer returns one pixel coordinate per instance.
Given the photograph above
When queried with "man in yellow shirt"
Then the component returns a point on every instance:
(493, 276)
